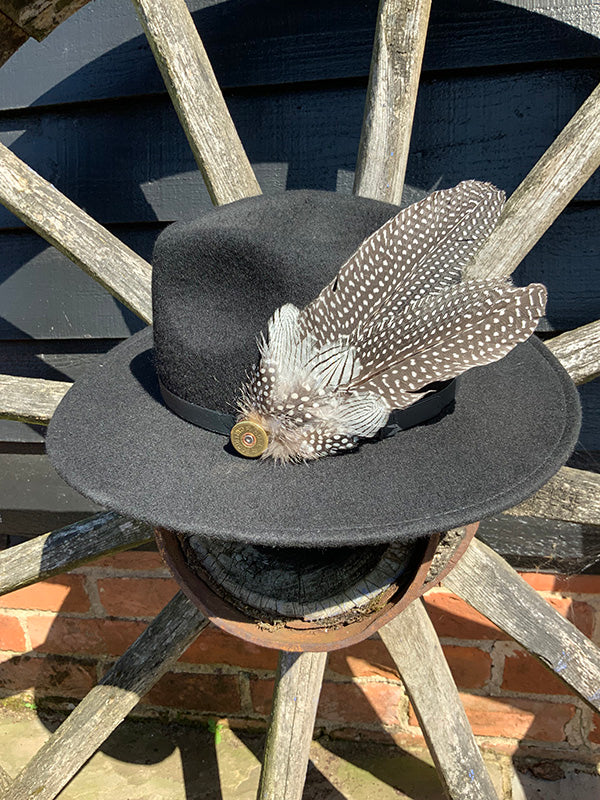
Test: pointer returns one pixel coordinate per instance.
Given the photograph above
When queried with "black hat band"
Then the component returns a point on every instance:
(424, 409)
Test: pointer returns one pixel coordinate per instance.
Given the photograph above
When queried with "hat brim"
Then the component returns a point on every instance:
(514, 423)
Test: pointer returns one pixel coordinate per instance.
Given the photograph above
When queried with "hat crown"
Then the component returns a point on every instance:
(218, 279)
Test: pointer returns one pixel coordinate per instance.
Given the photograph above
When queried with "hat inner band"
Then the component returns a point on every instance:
(424, 409)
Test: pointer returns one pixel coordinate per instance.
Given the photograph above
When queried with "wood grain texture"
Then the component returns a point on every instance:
(572, 495)
(5, 780)
(295, 700)
(413, 644)
(65, 549)
(40, 17)
(491, 586)
(198, 100)
(11, 37)
(391, 99)
(30, 399)
(107, 705)
(44, 209)
(553, 182)
(579, 352)
(535, 544)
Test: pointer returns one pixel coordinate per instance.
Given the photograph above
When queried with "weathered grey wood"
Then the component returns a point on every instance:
(198, 100)
(413, 644)
(572, 495)
(11, 37)
(40, 17)
(108, 703)
(30, 399)
(579, 352)
(75, 233)
(556, 178)
(490, 585)
(295, 700)
(67, 548)
(5, 780)
(391, 98)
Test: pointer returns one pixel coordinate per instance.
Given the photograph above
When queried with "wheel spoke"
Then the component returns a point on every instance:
(107, 705)
(413, 644)
(552, 183)
(579, 351)
(69, 547)
(195, 93)
(572, 495)
(32, 400)
(295, 700)
(62, 223)
(490, 585)
(391, 98)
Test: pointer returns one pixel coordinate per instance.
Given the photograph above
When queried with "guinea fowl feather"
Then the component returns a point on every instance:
(395, 319)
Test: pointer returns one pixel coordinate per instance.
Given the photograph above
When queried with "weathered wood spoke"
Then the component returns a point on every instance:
(62, 223)
(552, 183)
(391, 98)
(579, 351)
(490, 585)
(107, 705)
(295, 700)
(572, 495)
(198, 100)
(32, 400)
(415, 648)
(69, 547)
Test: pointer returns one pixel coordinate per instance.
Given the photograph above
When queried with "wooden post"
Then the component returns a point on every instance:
(107, 705)
(579, 351)
(572, 495)
(67, 548)
(489, 584)
(413, 644)
(32, 400)
(73, 232)
(553, 182)
(198, 100)
(295, 700)
(391, 98)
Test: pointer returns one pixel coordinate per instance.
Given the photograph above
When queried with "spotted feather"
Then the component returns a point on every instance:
(396, 319)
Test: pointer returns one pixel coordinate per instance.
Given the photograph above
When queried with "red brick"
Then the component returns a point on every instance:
(343, 702)
(135, 597)
(470, 666)
(366, 659)
(573, 584)
(214, 646)
(65, 635)
(12, 636)
(579, 613)
(595, 732)
(51, 675)
(453, 618)
(132, 559)
(515, 718)
(523, 673)
(65, 593)
(218, 694)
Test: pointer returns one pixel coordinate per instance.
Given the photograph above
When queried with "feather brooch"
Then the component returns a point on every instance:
(396, 319)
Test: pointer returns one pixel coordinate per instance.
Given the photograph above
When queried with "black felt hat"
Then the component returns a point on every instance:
(217, 281)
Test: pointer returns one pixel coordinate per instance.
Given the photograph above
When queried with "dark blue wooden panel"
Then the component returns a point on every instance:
(101, 53)
(44, 296)
(130, 162)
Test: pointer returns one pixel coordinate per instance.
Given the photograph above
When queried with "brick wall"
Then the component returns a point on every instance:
(58, 637)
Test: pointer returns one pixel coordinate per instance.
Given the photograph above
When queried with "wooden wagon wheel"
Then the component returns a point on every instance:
(482, 578)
